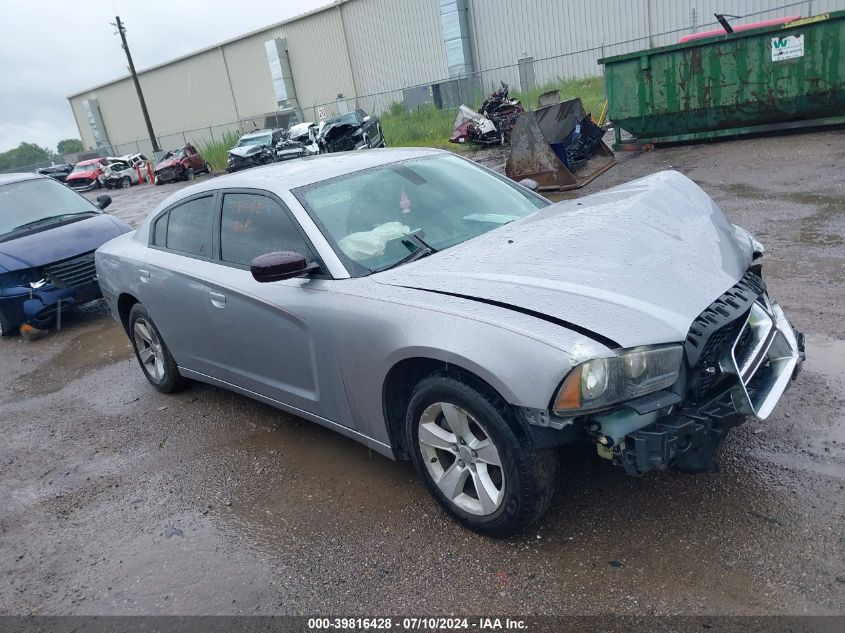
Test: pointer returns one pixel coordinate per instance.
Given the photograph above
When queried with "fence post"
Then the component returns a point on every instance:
(211, 132)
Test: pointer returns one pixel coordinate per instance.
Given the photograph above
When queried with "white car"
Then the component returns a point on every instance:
(123, 171)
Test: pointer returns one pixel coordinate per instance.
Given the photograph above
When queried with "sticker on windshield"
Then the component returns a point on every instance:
(788, 47)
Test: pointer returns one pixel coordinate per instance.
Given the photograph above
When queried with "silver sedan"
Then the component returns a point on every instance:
(436, 311)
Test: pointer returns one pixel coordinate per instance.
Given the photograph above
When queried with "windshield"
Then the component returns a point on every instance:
(445, 200)
(264, 139)
(176, 153)
(343, 118)
(87, 167)
(31, 201)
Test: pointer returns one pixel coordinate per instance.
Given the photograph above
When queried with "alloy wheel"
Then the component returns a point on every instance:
(149, 348)
(461, 459)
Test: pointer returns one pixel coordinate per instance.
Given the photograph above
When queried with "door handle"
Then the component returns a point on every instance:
(144, 276)
(217, 300)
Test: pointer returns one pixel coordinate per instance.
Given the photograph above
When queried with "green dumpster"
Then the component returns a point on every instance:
(772, 78)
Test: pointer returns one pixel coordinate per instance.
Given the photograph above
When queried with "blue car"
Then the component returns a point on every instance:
(48, 235)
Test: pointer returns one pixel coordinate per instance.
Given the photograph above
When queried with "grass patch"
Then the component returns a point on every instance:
(215, 152)
(425, 127)
(429, 127)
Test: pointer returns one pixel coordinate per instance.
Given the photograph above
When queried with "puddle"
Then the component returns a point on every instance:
(827, 357)
(102, 345)
(812, 229)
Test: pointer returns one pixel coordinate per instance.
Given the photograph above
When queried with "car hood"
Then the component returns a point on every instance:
(635, 264)
(91, 173)
(245, 150)
(60, 242)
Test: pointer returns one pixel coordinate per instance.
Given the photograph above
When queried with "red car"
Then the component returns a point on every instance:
(86, 174)
(181, 164)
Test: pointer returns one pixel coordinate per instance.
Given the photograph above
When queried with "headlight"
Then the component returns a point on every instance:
(602, 382)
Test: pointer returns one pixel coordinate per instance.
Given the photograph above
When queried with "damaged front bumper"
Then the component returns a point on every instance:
(740, 356)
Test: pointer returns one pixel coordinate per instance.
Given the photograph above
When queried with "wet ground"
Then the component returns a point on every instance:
(117, 499)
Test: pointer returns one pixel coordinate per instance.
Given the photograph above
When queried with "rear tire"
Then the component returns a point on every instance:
(493, 499)
(153, 356)
(207, 168)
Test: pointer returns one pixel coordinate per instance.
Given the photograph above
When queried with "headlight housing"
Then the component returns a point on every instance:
(602, 382)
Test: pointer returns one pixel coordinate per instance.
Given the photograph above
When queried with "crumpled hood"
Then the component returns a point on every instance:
(60, 242)
(91, 173)
(245, 150)
(165, 164)
(635, 264)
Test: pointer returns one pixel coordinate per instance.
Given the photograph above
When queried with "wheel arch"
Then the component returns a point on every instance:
(405, 374)
(124, 306)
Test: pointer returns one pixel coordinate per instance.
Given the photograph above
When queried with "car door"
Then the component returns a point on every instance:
(174, 282)
(274, 339)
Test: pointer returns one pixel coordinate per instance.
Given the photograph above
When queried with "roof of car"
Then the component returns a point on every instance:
(7, 179)
(291, 174)
(305, 171)
(258, 132)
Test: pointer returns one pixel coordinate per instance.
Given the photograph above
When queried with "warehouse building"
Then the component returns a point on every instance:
(372, 53)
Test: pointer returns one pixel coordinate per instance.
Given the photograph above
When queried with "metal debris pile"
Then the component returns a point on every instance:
(493, 122)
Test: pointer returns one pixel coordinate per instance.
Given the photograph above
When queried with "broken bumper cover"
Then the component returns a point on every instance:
(39, 308)
(765, 357)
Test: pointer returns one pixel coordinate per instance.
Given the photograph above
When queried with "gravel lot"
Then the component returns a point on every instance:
(120, 500)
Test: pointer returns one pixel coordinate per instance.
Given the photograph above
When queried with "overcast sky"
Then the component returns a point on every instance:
(52, 48)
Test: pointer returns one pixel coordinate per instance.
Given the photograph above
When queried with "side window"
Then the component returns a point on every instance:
(189, 227)
(253, 225)
(160, 230)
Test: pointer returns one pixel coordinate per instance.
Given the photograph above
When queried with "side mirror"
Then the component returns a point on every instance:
(278, 266)
(103, 201)
(367, 119)
(533, 185)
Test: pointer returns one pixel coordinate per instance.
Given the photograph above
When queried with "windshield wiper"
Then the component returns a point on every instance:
(47, 219)
(423, 250)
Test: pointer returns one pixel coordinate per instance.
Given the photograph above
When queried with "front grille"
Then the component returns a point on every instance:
(76, 271)
(166, 174)
(741, 351)
(81, 182)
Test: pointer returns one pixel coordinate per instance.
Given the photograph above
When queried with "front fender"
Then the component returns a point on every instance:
(523, 358)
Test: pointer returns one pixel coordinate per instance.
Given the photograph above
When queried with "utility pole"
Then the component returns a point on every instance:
(122, 31)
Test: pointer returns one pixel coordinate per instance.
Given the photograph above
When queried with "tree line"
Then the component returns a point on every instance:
(27, 154)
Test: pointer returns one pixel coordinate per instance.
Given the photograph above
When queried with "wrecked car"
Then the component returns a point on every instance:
(86, 174)
(350, 131)
(306, 135)
(253, 149)
(123, 172)
(180, 164)
(438, 312)
(493, 122)
(56, 172)
(286, 147)
(48, 234)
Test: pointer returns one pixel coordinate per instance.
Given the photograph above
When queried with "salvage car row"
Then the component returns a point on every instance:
(350, 131)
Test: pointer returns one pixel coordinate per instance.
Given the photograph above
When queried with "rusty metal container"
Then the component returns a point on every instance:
(776, 77)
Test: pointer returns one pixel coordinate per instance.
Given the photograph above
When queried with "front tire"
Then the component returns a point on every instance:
(126, 182)
(189, 174)
(463, 445)
(155, 359)
(6, 327)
